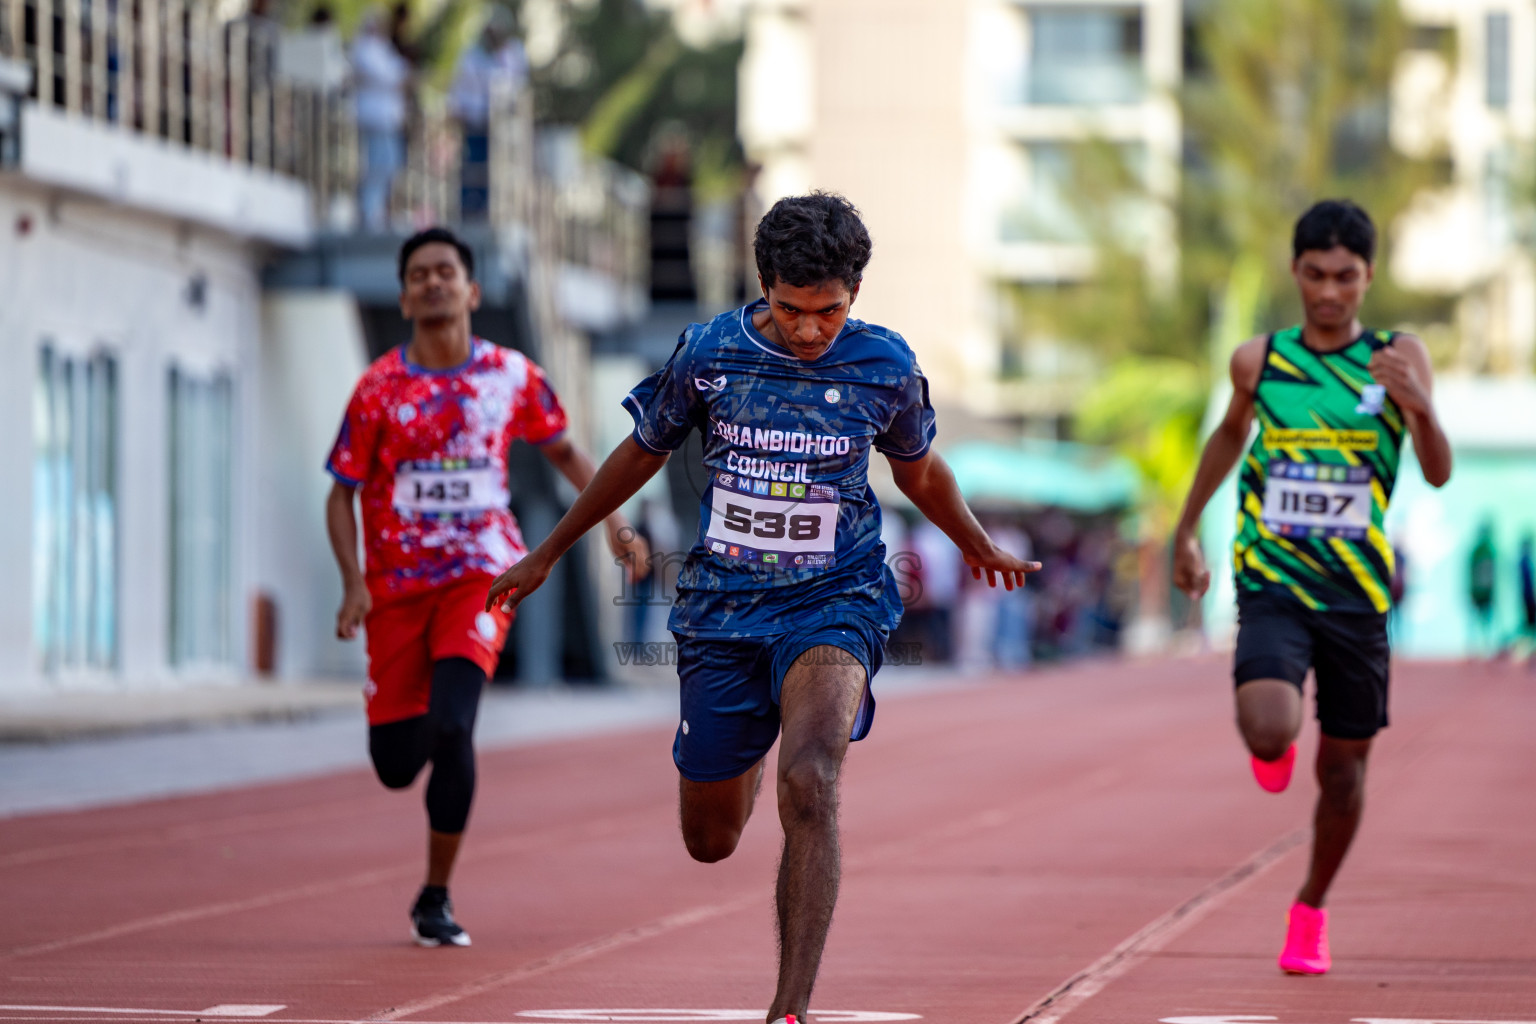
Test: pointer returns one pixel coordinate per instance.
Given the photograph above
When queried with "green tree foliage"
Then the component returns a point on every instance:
(1285, 102)
(624, 76)
(619, 72)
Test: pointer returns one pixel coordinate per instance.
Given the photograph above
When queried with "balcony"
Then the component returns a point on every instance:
(238, 123)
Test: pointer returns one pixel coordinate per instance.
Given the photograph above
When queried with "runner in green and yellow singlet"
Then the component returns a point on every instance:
(1312, 566)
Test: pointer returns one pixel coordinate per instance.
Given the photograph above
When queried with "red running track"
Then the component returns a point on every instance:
(1083, 844)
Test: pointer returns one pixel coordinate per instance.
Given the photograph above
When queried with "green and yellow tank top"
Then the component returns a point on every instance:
(1314, 487)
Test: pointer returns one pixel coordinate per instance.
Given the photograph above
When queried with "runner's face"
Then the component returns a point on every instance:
(809, 318)
(1333, 283)
(436, 287)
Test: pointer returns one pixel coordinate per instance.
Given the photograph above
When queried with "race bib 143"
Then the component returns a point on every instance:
(450, 486)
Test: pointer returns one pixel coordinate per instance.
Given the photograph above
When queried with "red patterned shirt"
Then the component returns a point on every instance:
(428, 449)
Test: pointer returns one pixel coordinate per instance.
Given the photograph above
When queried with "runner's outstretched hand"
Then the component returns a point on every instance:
(998, 562)
(519, 581)
(1189, 570)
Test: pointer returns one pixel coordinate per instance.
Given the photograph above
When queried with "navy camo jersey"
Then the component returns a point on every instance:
(776, 427)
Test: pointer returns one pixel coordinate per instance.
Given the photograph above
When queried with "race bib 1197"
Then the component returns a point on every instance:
(1307, 499)
(782, 525)
(450, 486)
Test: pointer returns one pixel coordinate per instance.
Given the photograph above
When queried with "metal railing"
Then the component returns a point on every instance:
(171, 69)
(177, 70)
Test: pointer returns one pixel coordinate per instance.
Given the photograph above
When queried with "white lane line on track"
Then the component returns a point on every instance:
(516, 844)
(990, 818)
(568, 956)
(242, 1011)
(1088, 982)
(850, 1017)
(176, 917)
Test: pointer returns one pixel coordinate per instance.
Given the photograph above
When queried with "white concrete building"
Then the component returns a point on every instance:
(951, 123)
(1465, 92)
(136, 210)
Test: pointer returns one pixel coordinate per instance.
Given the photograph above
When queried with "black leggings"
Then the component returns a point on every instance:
(444, 736)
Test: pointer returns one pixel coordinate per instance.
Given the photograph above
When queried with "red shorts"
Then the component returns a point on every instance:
(407, 634)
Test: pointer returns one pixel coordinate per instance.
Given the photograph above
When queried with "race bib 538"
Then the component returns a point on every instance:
(1312, 500)
(777, 524)
(450, 486)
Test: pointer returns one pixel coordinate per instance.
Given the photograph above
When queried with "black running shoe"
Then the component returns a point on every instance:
(432, 922)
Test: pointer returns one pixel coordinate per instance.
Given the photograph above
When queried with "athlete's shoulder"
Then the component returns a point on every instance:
(723, 330)
(382, 378)
(872, 342)
(1247, 363)
(1411, 345)
(505, 362)
(390, 364)
(698, 344)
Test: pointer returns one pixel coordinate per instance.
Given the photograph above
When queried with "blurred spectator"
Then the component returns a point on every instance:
(938, 567)
(1013, 627)
(1526, 570)
(1397, 586)
(656, 524)
(495, 65)
(380, 75)
(976, 622)
(1480, 579)
(400, 34)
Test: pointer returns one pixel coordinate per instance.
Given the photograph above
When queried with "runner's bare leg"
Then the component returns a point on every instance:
(713, 814)
(818, 703)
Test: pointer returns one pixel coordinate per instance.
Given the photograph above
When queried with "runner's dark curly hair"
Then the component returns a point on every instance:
(427, 237)
(808, 240)
(1335, 222)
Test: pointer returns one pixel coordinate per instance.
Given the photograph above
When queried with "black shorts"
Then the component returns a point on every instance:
(1280, 638)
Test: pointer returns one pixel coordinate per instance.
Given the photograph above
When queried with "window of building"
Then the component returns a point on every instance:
(1497, 60)
(1084, 55)
(74, 511)
(201, 451)
(1051, 192)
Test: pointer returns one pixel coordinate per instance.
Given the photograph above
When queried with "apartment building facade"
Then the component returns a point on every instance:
(1465, 93)
(952, 126)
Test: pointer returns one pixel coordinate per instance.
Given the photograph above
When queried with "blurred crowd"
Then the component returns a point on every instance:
(383, 70)
(1487, 639)
(1077, 605)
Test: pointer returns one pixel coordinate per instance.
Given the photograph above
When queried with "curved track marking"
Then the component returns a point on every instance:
(1085, 984)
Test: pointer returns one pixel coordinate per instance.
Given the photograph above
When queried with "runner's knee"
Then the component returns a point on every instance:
(398, 751)
(1266, 742)
(1341, 781)
(710, 842)
(808, 788)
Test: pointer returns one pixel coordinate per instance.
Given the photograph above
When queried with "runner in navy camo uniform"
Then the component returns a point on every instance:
(784, 600)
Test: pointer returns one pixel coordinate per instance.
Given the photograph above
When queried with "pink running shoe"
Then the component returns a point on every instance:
(1274, 776)
(1306, 941)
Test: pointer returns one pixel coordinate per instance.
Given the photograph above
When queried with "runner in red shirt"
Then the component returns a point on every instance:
(424, 441)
